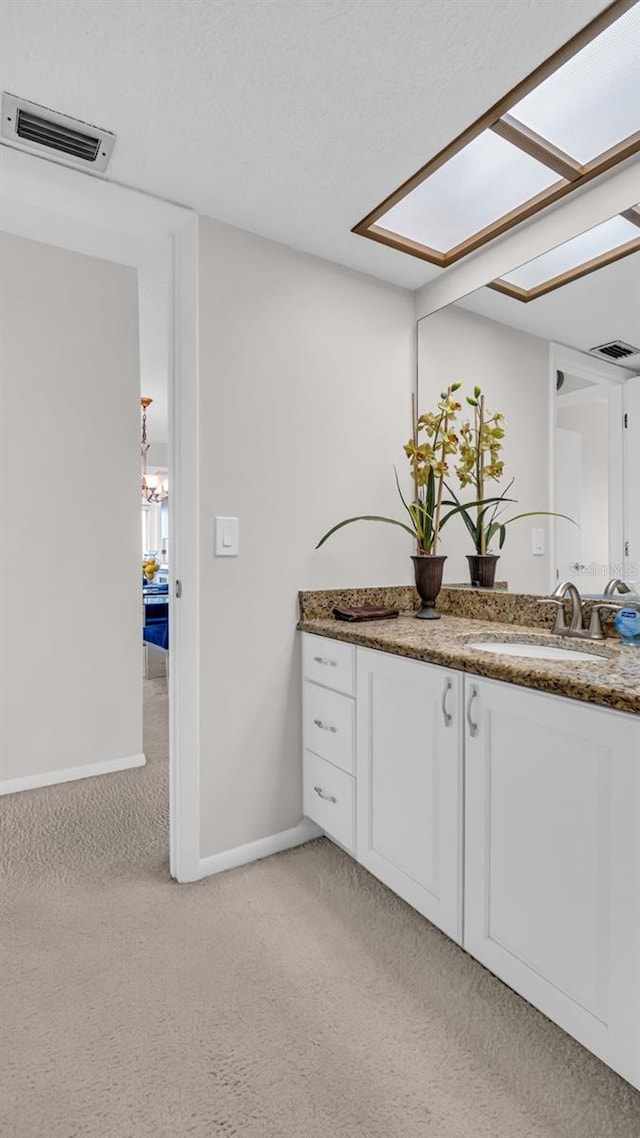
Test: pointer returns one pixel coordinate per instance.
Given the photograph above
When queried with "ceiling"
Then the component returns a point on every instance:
(288, 118)
(593, 310)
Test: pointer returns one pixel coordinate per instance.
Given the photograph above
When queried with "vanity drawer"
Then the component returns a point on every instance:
(329, 662)
(329, 799)
(328, 725)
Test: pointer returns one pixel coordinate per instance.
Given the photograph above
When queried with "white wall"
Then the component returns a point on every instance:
(306, 371)
(70, 520)
(512, 368)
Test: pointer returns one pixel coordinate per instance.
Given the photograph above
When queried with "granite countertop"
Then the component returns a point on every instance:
(612, 682)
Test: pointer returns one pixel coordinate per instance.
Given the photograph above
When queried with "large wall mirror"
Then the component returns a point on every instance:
(555, 346)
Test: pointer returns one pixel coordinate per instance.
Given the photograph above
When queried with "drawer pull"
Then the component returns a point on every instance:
(446, 715)
(321, 794)
(327, 663)
(473, 726)
(325, 726)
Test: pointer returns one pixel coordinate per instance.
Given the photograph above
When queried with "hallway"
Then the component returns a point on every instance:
(96, 830)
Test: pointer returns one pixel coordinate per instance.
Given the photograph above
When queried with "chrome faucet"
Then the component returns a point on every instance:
(567, 591)
(616, 586)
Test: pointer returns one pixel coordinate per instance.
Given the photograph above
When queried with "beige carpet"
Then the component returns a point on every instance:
(295, 998)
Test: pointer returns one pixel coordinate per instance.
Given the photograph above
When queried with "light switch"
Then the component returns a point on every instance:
(227, 537)
(537, 542)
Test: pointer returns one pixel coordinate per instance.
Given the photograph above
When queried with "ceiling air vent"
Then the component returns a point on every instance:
(46, 132)
(615, 350)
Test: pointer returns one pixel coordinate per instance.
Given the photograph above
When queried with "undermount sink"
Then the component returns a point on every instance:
(536, 651)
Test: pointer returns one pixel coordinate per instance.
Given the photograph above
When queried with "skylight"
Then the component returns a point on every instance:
(618, 237)
(593, 101)
(575, 117)
(481, 183)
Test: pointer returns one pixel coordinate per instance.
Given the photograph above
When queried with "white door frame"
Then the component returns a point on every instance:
(45, 201)
(184, 679)
(631, 408)
(562, 358)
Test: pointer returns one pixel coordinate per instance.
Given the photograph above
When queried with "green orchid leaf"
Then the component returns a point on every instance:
(414, 514)
(424, 524)
(461, 509)
(541, 514)
(365, 518)
(402, 497)
(466, 517)
(431, 493)
(489, 502)
(496, 528)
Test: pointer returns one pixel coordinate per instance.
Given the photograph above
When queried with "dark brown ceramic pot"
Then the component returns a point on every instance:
(428, 569)
(482, 569)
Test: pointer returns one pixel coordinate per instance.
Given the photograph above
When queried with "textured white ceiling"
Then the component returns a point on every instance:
(600, 307)
(290, 118)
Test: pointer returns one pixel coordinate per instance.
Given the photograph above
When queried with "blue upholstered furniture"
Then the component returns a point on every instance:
(155, 629)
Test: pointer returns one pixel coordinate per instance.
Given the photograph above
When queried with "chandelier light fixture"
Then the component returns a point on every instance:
(154, 487)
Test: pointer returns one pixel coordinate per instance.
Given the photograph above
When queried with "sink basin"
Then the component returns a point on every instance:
(537, 651)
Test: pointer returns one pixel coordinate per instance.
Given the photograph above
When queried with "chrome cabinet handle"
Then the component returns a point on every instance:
(325, 726)
(445, 714)
(326, 797)
(473, 726)
(327, 663)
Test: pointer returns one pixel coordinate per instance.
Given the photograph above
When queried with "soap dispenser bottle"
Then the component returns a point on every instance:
(627, 624)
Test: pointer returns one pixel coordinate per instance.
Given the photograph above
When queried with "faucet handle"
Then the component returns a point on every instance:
(560, 626)
(595, 623)
(559, 602)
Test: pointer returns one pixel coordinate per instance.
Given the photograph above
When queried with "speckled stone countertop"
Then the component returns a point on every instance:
(613, 681)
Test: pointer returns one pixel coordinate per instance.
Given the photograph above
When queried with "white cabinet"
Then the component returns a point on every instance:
(328, 735)
(552, 867)
(329, 662)
(513, 809)
(409, 782)
(328, 725)
(329, 799)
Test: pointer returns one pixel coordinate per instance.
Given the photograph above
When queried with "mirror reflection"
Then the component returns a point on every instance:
(563, 366)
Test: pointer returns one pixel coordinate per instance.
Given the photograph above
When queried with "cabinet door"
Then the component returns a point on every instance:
(552, 874)
(409, 781)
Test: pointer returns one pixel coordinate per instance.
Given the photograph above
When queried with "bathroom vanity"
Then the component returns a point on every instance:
(498, 795)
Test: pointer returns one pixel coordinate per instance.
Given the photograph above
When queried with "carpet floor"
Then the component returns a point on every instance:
(293, 998)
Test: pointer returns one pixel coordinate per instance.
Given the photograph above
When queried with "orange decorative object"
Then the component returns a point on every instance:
(150, 567)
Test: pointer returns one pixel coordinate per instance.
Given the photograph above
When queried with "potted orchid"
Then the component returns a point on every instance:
(480, 462)
(434, 443)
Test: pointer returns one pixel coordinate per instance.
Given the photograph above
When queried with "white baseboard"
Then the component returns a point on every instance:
(305, 831)
(51, 778)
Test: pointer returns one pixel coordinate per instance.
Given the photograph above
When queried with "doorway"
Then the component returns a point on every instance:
(58, 206)
(590, 470)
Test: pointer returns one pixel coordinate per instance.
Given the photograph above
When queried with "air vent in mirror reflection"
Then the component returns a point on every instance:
(614, 350)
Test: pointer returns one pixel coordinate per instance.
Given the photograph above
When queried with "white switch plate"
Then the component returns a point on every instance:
(537, 542)
(227, 537)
